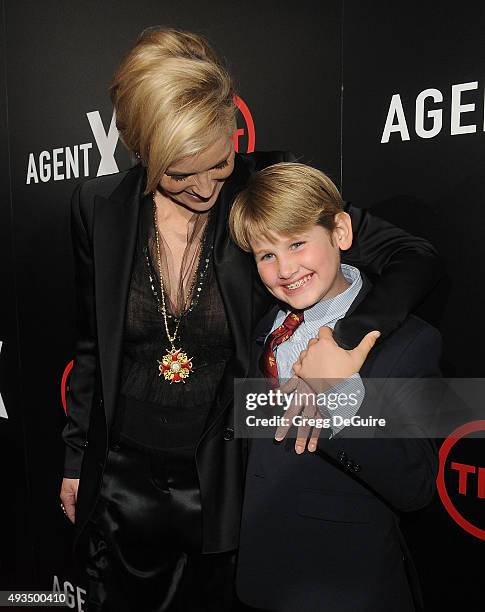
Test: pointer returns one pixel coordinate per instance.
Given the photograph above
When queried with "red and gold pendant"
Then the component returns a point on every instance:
(175, 366)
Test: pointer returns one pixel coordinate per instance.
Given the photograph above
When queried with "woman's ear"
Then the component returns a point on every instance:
(343, 231)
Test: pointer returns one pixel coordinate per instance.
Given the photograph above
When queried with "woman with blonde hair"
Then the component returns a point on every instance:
(166, 305)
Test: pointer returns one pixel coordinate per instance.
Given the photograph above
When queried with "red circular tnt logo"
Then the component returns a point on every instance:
(249, 132)
(64, 385)
(463, 470)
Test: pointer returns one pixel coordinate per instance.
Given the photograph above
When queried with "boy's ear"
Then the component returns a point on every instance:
(343, 231)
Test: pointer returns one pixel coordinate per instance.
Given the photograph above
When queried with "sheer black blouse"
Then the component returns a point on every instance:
(164, 414)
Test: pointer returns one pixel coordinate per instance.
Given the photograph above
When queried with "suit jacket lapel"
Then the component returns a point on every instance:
(115, 232)
(234, 274)
(262, 329)
(364, 290)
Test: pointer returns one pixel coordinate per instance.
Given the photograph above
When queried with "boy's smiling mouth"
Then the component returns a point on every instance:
(299, 283)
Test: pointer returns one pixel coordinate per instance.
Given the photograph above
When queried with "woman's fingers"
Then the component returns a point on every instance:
(68, 497)
(70, 510)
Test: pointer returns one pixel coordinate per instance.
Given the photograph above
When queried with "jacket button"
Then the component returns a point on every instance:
(115, 447)
(342, 456)
(228, 434)
(349, 465)
(101, 402)
(86, 443)
(356, 467)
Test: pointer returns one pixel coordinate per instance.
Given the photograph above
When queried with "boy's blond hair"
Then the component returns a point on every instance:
(172, 97)
(285, 198)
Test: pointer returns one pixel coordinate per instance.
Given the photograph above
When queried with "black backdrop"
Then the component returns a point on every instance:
(318, 78)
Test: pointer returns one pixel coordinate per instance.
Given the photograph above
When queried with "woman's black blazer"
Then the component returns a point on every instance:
(104, 229)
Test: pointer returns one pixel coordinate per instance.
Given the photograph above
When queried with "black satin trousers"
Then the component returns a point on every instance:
(144, 537)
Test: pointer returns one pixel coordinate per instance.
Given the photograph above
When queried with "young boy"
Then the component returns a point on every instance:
(320, 530)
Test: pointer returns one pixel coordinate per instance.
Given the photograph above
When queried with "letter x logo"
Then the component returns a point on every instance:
(106, 142)
(3, 412)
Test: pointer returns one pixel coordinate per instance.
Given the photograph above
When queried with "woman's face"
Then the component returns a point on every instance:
(195, 181)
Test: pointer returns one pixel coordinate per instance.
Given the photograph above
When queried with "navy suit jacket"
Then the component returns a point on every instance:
(320, 531)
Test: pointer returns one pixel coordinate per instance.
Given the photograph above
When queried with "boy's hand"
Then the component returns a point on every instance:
(319, 367)
(324, 362)
(306, 433)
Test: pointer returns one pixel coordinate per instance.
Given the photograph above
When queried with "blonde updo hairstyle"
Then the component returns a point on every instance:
(172, 97)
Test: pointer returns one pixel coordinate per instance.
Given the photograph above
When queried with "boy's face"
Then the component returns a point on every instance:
(304, 269)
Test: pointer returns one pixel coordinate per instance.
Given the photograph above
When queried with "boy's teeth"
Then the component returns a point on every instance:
(299, 283)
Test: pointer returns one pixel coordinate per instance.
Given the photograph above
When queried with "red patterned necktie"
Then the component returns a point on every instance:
(267, 362)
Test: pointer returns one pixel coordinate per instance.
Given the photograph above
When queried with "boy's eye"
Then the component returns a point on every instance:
(296, 245)
(266, 257)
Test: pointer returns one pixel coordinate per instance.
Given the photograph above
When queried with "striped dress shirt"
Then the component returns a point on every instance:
(326, 312)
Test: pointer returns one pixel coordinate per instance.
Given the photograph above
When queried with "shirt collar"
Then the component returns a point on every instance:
(328, 312)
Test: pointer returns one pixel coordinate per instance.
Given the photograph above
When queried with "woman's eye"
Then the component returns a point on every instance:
(183, 177)
(221, 165)
(266, 256)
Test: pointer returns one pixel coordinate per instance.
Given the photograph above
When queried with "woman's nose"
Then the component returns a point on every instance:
(205, 185)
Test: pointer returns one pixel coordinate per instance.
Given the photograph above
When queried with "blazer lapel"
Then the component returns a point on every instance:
(259, 336)
(234, 274)
(115, 232)
(364, 290)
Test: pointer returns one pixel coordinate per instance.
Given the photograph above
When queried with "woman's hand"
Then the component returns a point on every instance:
(324, 362)
(68, 496)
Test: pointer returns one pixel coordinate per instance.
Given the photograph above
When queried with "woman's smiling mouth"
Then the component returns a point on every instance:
(199, 198)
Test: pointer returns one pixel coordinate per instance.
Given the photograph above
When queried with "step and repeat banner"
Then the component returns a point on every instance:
(413, 143)
(59, 58)
(16, 543)
(390, 105)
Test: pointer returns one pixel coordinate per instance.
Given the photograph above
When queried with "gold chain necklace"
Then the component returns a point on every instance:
(175, 366)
